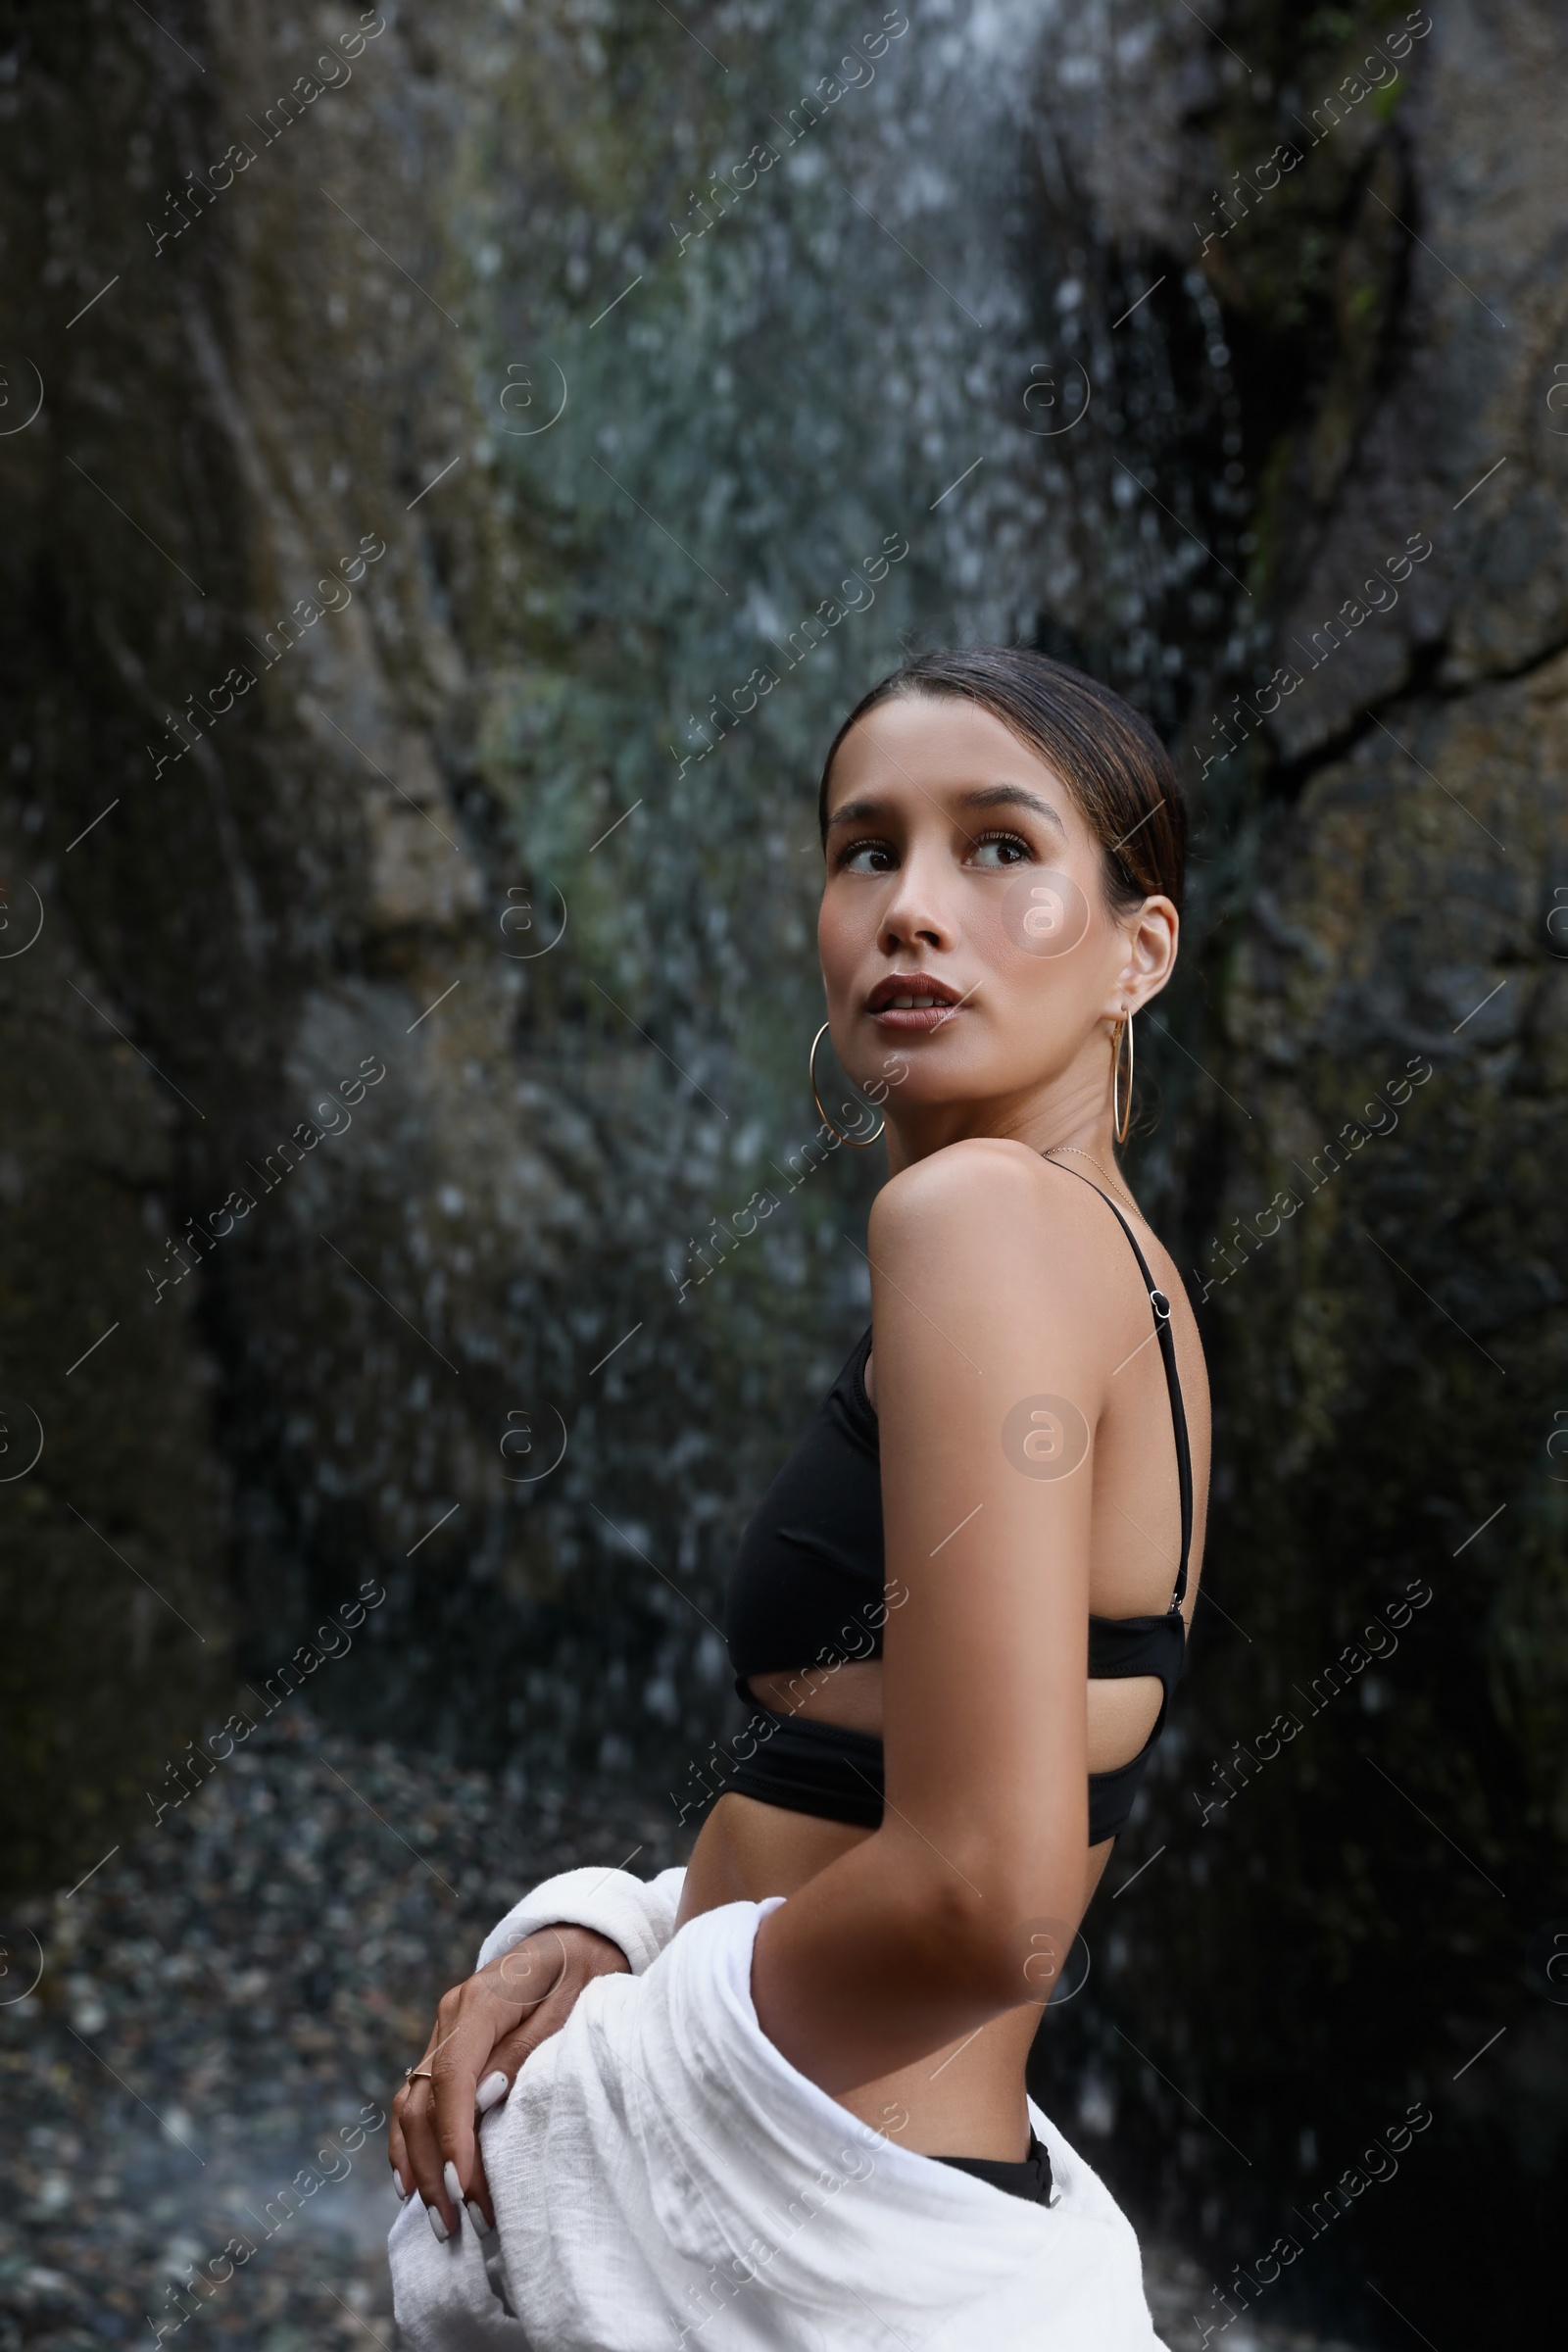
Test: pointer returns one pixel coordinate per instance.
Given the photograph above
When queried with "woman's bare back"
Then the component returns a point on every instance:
(957, 2099)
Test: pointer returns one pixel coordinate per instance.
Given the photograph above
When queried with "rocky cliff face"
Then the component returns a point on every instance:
(477, 460)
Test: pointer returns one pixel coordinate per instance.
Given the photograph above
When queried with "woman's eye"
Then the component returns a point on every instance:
(868, 858)
(995, 850)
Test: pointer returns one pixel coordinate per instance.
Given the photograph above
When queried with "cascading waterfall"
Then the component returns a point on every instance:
(820, 387)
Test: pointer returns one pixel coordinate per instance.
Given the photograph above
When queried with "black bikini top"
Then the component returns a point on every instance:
(807, 1588)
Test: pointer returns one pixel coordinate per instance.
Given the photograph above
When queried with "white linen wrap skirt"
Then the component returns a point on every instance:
(664, 2181)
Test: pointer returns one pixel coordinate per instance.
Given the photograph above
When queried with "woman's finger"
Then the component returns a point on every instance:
(441, 2141)
(588, 1955)
(397, 2154)
(485, 2028)
(496, 2084)
(510, 2051)
(506, 2062)
(487, 2010)
(418, 2162)
(397, 2146)
(485, 2219)
(424, 2174)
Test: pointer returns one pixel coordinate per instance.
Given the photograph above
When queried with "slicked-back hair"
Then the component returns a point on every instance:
(1106, 752)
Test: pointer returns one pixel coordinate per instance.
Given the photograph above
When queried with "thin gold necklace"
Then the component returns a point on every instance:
(1079, 1153)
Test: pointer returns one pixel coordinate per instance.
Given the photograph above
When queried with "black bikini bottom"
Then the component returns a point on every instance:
(1031, 2178)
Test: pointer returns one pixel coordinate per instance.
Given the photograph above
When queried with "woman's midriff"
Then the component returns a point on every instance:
(966, 2100)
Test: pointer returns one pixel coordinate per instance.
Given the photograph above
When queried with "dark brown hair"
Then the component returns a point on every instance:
(1106, 752)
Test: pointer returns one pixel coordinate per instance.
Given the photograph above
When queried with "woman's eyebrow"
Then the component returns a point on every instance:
(988, 796)
(856, 812)
(1003, 796)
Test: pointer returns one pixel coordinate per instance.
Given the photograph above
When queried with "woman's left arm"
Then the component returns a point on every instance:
(991, 1367)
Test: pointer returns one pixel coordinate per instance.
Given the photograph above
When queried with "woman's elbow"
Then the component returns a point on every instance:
(1001, 1930)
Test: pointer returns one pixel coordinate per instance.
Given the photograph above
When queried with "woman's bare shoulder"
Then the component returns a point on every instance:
(986, 1254)
(966, 1187)
(983, 1254)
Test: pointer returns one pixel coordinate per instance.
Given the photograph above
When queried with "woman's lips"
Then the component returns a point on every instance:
(907, 1018)
(910, 1002)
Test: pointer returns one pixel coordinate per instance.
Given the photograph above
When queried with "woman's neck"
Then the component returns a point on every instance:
(1074, 1116)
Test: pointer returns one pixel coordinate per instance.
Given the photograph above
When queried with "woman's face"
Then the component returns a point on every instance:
(961, 868)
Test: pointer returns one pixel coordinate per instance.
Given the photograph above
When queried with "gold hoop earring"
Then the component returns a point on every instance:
(865, 1141)
(1121, 1118)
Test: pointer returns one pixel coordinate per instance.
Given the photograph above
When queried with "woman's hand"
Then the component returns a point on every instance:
(484, 2030)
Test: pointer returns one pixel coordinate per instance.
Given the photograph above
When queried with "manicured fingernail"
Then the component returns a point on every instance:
(492, 2089)
(482, 2228)
(437, 2223)
(398, 2178)
(454, 2185)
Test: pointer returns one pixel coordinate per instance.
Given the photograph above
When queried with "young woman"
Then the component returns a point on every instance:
(960, 1611)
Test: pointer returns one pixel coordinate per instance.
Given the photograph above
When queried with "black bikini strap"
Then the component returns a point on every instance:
(1167, 1349)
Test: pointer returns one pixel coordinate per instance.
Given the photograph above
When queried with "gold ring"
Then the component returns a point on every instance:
(418, 2073)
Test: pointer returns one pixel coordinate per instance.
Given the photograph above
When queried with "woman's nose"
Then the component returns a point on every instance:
(915, 913)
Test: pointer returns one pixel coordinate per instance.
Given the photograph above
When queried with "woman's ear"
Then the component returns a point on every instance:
(1153, 939)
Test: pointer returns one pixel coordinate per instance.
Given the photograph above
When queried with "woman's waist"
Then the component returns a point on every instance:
(748, 1848)
(962, 2100)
